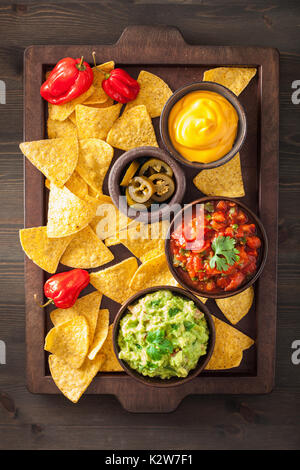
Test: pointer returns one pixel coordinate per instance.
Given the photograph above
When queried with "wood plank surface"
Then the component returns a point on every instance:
(49, 422)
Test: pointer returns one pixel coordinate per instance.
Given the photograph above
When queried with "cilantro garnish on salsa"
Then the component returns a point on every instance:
(218, 248)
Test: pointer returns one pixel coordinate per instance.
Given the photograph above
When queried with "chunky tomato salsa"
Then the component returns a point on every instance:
(218, 247)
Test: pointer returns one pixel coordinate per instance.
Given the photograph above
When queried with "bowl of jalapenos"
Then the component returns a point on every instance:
(146, 182)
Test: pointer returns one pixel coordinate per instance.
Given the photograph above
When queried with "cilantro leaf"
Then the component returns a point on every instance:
(225, 253)
(159, 345)
(188, 325)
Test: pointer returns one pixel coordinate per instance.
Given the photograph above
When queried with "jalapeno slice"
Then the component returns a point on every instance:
(154, 166)
(136, 205)
(130, 172)
(164, 187)
(141, 189)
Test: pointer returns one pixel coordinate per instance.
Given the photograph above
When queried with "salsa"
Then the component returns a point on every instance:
(218, 247)
(163, 335)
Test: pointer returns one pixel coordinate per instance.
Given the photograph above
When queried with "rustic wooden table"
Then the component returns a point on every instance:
(201, 422)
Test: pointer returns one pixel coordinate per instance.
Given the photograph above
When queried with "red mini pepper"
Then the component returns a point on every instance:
(63, 288)
(120, 86)
(69, 79)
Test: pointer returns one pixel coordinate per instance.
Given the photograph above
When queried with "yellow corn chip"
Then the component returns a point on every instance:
(154, 93)
(114, 281)
(110, 363)
(225, 180)
(229, 346)
(100, 333)
(67, 213)
(99, 96)
(237, 306)
(77, 185)
(56, 129)
(63, 111)
(108, 220)
(153, 272)
(73, 382)
(234, 78)
(70, 341)
(55, 158)
(133, 129)
(106, 104)
(94, 159)
(43, 251)
(94, 123)
(72, 118)
(86, 251)
(145, 241)
(87, 306)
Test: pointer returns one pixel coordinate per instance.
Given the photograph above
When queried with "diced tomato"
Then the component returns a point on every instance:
(241, 217)
(219, 217)
(229, 232)
(221, 205)
(235, 281)
(253, 242)
(210, 285)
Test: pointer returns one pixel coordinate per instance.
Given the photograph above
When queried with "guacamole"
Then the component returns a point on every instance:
(163, 335)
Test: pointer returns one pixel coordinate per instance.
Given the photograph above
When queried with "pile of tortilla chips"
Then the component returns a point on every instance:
(83, 223)
(80, 344)
(225, 180)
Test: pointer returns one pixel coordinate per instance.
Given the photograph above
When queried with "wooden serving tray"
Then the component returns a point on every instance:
(163, 51)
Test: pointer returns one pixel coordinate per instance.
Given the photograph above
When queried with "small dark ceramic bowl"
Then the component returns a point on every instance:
(207, 86)
(117, 172)
(182, 277)
(157, 381)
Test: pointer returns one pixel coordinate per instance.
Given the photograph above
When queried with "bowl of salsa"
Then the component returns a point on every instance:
(216, 247)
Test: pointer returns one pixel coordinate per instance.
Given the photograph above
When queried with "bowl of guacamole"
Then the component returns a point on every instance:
(163, 336)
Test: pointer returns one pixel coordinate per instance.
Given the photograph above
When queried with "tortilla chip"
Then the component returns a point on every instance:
(94, 123)
(63, 111)
(110, 363)
(153, 272)
(86, 251)
(234, 78)
(55, 158)
(133, 129)
(72, 118)
(154, 93)
(225, 180)
(67, 213)
(70, 341)
(229, 346)
(114, 281)
(56, 129)
(87, 306)
(100, 333)
(94, 159)
(99, 95)
(77, 185)
(106, 104)
(108, 220)
(237, 306)
(73, 382)
(145, 241)
(43, 251)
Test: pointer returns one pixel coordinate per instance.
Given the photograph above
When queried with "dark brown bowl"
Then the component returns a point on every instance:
(182, 277)
(156, 381)
(208, 86)
(118, 169)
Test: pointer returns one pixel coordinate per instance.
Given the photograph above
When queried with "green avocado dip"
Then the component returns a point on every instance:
(163, 335)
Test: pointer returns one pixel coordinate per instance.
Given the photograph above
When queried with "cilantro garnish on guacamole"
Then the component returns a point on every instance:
(163, 335)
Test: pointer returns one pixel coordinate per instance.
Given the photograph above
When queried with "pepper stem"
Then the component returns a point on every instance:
(94, 57)
(81, 66)
(42, 306)
(106, 75)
